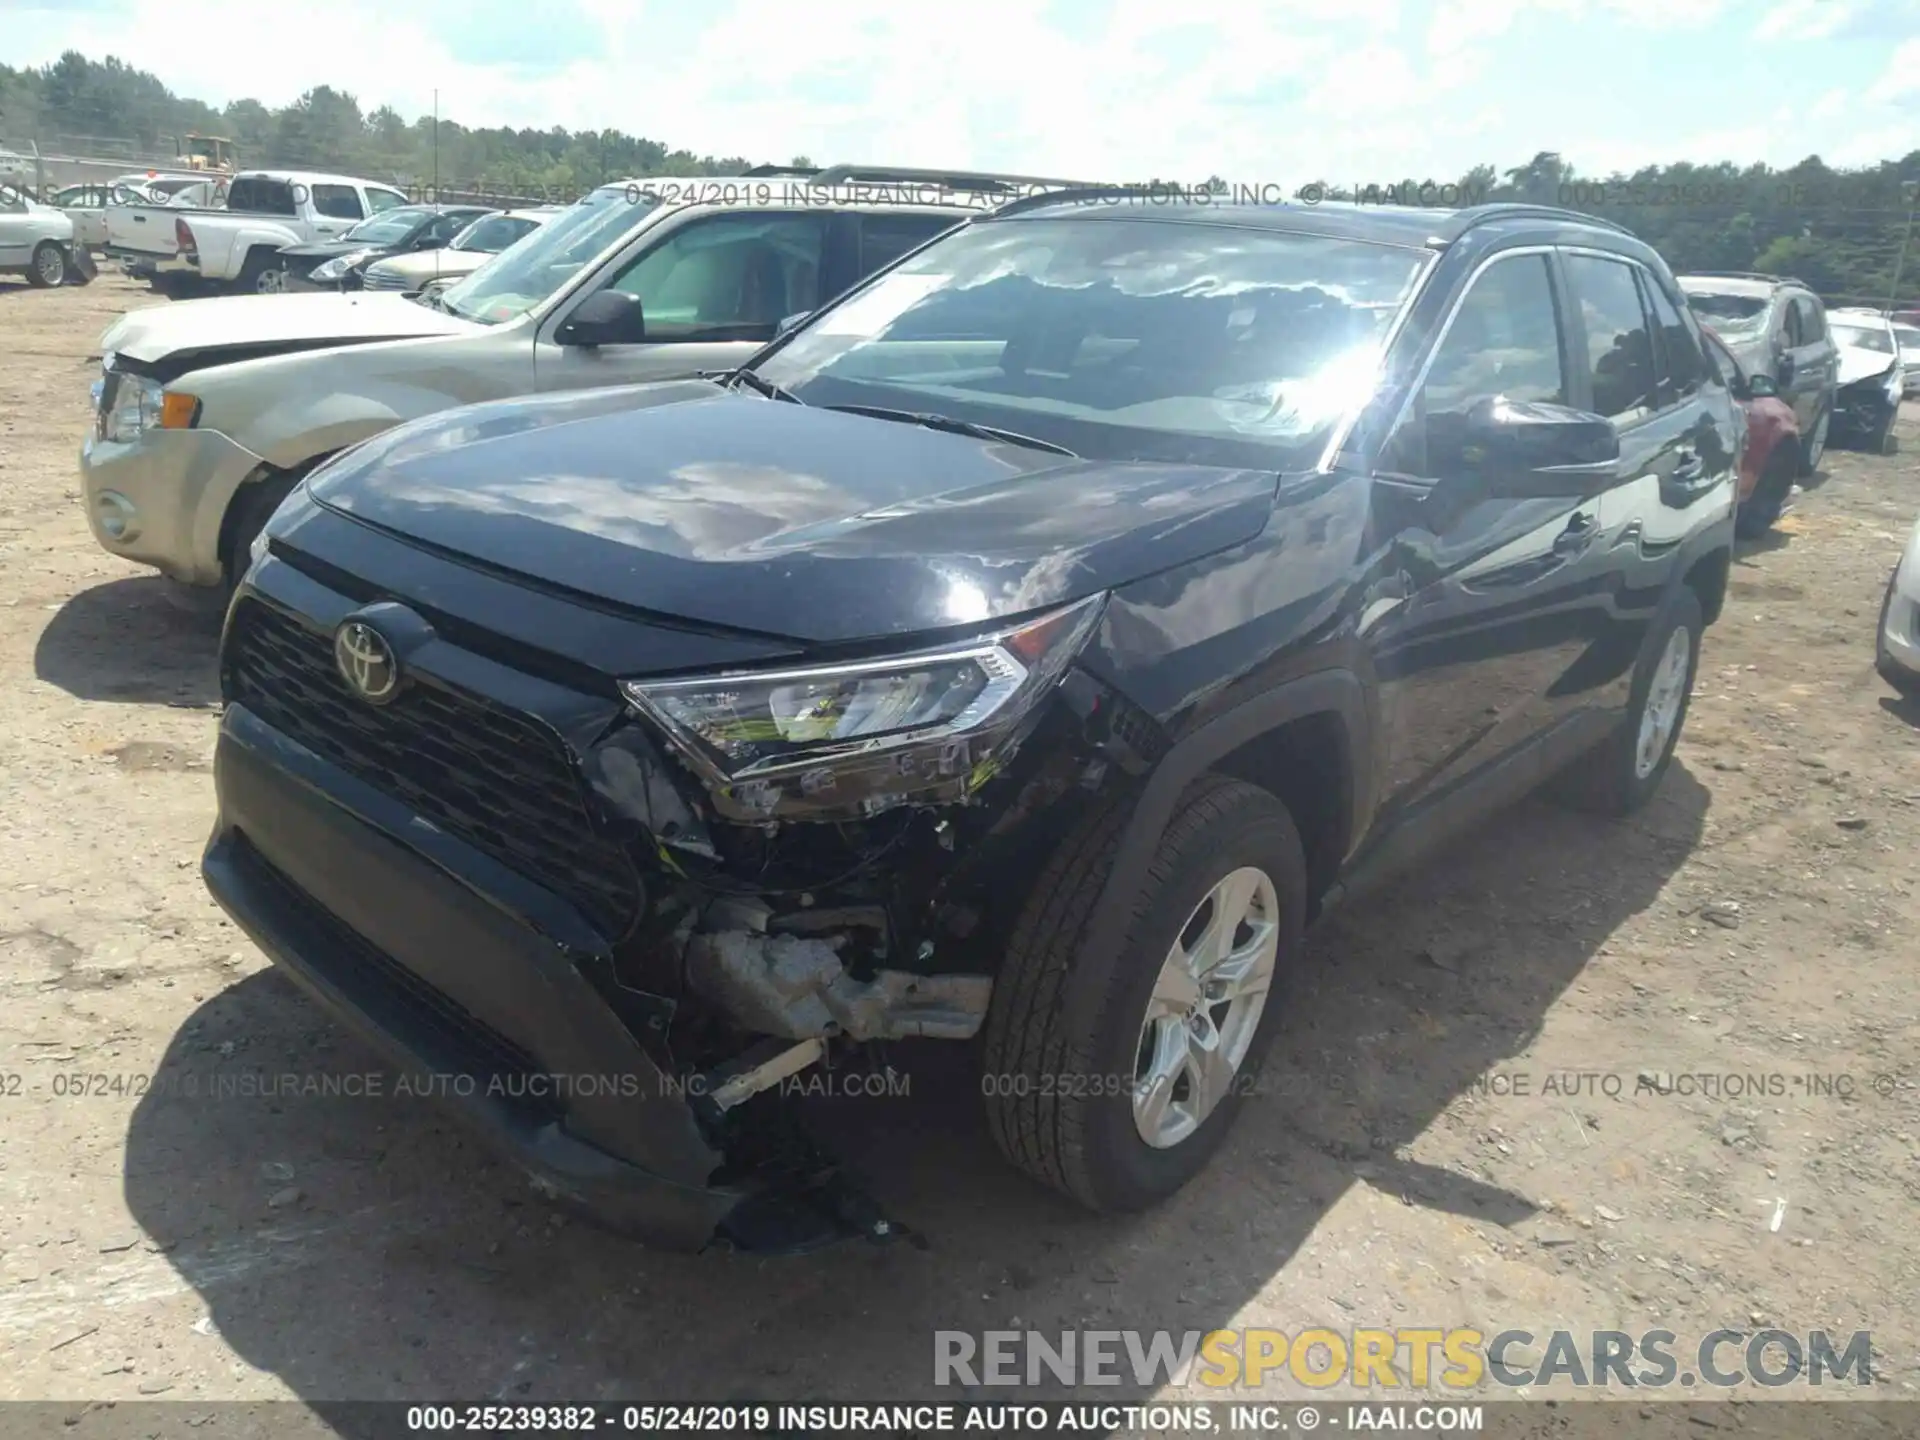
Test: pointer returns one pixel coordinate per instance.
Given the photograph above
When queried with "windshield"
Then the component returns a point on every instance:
(1862, 337)
(529, 271)
(1730, 314)
(1908, 338)
(492, 233)
(389, 227)
(1118, 339)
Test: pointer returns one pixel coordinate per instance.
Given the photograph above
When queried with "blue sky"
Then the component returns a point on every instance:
(1347, 91)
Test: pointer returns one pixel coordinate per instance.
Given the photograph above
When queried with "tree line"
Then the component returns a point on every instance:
(1844, 231)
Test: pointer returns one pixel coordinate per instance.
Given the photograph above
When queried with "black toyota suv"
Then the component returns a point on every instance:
(1020, 650)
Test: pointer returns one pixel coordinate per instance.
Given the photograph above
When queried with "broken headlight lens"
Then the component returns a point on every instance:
(756, 724)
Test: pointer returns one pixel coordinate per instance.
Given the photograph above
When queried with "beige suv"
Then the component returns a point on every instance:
(207, 412)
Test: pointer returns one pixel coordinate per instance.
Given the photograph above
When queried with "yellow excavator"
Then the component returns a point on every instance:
(205, 152)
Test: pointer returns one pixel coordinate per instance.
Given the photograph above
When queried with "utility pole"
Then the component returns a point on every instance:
(436, 146)
(1900, 263)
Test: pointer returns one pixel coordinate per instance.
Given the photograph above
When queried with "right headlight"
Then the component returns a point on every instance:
(867, 734)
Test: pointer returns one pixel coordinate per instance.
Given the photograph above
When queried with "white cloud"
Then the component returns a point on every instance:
(1805, 19)
(1291, 90)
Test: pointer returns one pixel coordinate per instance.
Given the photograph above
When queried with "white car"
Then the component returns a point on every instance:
(1908, 337)
(38, 241)
(1897, 646)
(461, 256)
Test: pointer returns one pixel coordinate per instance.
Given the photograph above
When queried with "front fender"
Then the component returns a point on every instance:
(1335, 692)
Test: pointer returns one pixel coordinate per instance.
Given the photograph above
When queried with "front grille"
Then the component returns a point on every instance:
(358, 965)
(374, 280)
(478, 771)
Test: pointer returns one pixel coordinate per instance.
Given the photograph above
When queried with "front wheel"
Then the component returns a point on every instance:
(252, 508)
(1815, 445)
(1891, 671)
(1761, 510)
(1114, 1077)
(1623, 772)
(48, 268)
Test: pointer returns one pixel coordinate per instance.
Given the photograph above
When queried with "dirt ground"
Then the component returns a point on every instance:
(1410, 1159)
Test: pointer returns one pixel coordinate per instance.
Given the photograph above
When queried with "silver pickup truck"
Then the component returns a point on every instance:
(239, 246)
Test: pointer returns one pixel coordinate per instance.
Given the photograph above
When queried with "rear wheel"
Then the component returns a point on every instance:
(1760, 510)
(1114, 1077)
(48, 267)
(1623, 772)
(263, 274)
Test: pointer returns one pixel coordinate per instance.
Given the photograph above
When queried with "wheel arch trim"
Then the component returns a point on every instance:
(1336, 692)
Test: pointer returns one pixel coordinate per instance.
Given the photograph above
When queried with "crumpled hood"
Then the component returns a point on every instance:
(426, 265)
(262, 324)
(732, 511)
(1859, 363)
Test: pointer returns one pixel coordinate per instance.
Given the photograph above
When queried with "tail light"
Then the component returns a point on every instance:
(182, 236)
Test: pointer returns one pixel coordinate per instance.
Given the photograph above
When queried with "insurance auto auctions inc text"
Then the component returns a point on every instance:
(1404, 1358)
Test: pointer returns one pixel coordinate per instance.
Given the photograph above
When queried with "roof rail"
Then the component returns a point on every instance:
(1520, 210)
(983, 181)
(757, 172)
(1751, 275)
(1077, 194)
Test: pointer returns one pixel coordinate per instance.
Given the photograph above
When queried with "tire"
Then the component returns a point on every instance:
(1814, 444)
(1902, 680)
(1885, 443)
(1062, 1050)
(1760, 511)
(262, 274)
(47, 270)
(252, 508)
(1618, 776)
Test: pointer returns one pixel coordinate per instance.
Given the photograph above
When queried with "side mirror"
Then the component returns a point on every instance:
(608, 317)
(790, 322)
(1523, 450)
(1757, 387)
(1785, 367)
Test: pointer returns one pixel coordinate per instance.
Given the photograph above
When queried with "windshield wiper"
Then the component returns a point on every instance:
(758, 385)
(955, 427)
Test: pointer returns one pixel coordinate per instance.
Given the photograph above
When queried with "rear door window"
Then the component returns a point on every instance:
(338, 202)
(1683, 367)
(885, 238)
(1619, 339)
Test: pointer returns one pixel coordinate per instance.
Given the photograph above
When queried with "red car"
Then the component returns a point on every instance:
(1770, 457)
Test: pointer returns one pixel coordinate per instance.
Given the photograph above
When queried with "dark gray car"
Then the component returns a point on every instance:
(1776, 326)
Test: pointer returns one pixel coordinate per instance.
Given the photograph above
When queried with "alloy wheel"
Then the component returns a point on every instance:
(1665, 695)
(1205, 1007)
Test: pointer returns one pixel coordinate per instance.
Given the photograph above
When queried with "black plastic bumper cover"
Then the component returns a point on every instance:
(400, 939)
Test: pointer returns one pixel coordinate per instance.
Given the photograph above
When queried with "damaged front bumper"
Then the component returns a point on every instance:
(311, 864)
(1864, 412)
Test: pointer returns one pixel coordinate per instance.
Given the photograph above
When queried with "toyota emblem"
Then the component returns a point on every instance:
(366, 662)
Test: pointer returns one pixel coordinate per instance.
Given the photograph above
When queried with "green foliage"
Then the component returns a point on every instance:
(1839, 230)
(76, 102)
